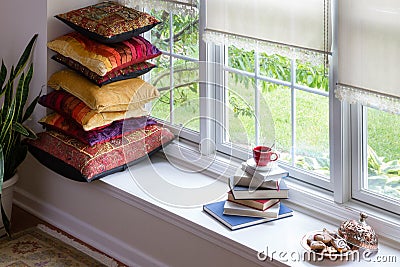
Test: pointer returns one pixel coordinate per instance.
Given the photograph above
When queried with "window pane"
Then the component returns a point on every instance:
(240, 59)
(239, 117)
(186, 109)
(278, 100)
(383, 153)
(312, 76)
(183, 93)
(160, 78)
(275, 66)
(160, 33)
(312, 132)
(186, 34)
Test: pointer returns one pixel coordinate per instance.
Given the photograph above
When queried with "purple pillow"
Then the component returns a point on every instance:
(115, 130)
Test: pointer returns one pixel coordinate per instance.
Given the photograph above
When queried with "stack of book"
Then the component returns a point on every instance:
(254, 197)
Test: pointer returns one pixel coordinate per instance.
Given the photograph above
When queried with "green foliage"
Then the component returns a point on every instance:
(12, 116)
(383, 177)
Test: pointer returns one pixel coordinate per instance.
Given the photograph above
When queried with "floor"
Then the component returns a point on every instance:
(22, 220)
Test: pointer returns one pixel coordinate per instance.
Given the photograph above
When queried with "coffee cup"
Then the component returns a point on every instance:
(263, 155)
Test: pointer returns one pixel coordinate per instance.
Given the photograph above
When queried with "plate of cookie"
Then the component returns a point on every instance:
(326, 243)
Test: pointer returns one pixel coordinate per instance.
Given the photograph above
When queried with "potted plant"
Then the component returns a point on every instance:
(14, 89)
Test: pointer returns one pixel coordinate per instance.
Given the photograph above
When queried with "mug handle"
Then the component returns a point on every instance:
(273, 156)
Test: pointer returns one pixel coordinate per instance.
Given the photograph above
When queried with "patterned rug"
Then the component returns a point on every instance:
(41, 246)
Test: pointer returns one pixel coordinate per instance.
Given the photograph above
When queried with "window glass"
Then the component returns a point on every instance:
(177, 72)
(292, 116)
(160, 34)
(240, 116)
(312, 132)
(279, 101)
(186, 34)
(383, 153)
(274, 66)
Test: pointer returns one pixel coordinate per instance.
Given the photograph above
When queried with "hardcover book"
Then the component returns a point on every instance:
(259, 204)
(231, 208)
(242, 178)
(243, 192)
(233, 222)
(266, 175)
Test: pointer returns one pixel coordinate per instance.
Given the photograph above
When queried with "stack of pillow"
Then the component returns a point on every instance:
(99, 124)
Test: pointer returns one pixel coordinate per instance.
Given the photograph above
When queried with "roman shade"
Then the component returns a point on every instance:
(369, 53)
(184, 7)
(290, 27)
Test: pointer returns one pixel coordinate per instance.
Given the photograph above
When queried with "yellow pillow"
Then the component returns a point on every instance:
(118, 96)
(95, 120)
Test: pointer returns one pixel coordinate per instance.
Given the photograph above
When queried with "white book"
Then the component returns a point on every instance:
(243, 178)
(231, 208)
(266, 175)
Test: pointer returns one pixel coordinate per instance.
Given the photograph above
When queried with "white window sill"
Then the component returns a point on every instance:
(176, 196)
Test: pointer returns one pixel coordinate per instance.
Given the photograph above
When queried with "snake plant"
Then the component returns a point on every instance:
(14, 92)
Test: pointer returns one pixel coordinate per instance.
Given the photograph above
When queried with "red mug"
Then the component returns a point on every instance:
(264, 155)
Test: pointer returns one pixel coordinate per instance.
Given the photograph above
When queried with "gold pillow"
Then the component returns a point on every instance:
(118, 96)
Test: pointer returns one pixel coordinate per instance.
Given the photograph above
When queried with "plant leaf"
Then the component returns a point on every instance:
(3, 76)
(4, 218)
(24, 58)
(18, 96)
(7, 123)
(31, 108)
(1, 169)
(18, 127)
(31, 133)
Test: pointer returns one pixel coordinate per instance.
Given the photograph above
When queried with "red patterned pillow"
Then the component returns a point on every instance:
(101, 58)
(129, 72)
(80, 162)
(108, 22)
(57, 122)
(74, 109)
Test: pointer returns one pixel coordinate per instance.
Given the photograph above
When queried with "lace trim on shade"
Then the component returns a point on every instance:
(182, 7)
(354, 95)
(270, 48)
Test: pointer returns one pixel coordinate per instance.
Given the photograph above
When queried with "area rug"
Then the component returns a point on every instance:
(42, 246)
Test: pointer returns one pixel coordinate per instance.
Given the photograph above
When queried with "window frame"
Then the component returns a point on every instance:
(345, 124)
(222, 59)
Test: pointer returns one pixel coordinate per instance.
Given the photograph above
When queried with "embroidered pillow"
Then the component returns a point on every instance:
(108, 22)
(102, 58)
(74, 109)
(116, 129)
(75, 160)
(129, 72)
(117, 96)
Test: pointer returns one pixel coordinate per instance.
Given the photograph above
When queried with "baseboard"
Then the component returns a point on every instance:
(85, 232)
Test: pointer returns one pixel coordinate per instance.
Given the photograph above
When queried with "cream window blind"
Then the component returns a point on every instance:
(289, 26)
(369, 53)
(185, 7)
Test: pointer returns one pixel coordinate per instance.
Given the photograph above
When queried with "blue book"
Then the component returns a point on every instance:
(234, 222)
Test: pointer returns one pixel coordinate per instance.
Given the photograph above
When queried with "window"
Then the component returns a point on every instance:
(276, 101)
(255, 96)
(177, 74)
(379, 170)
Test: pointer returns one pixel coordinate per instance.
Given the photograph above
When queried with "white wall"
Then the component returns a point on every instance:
(19, 21)
(125, 232)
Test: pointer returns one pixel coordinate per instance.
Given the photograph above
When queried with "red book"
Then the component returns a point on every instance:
(259, 204)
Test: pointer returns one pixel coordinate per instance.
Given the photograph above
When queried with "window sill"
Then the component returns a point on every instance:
(309, 199)
(176, 196)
